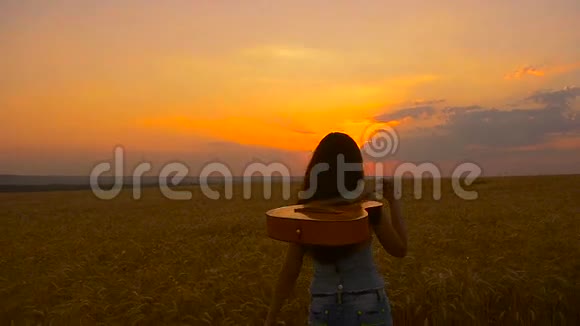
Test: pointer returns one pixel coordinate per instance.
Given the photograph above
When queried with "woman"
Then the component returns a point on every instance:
(347, 288)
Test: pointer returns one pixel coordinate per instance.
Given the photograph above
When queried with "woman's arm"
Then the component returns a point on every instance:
(286, 280)
(391, 229)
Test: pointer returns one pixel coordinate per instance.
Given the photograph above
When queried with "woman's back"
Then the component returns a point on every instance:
(349, 291)
(356, 272)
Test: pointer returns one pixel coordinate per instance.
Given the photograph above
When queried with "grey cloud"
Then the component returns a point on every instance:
(556, 98)
(489, 134)
(429, 102)
(462, 109)
(416, 112)
(501, 128)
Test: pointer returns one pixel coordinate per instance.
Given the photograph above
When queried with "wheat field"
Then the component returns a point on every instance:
(511, 257)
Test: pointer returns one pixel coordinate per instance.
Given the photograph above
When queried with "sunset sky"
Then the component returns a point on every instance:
(492, 82)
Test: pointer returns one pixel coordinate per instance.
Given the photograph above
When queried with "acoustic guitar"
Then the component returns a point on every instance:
(328, 223)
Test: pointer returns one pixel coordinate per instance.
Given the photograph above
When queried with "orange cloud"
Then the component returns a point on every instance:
(241, 130)
(262, 131)
(522, 72)
(540, 72)
(292, 116)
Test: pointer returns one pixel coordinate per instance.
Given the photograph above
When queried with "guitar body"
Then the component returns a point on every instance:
(323, 223)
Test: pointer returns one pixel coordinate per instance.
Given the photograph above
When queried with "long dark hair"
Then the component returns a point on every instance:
(333, 148)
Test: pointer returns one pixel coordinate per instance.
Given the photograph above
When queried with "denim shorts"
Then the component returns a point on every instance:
(369, 308)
